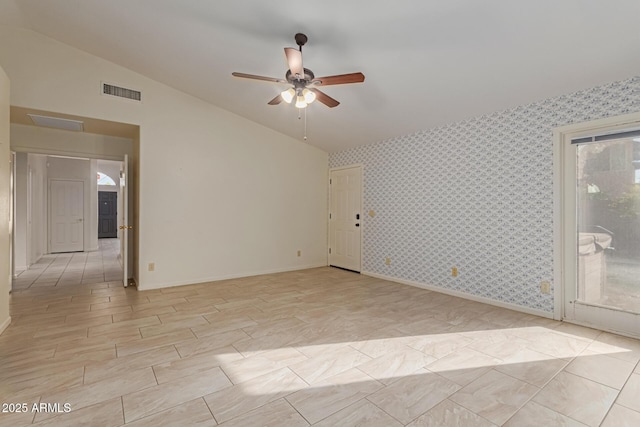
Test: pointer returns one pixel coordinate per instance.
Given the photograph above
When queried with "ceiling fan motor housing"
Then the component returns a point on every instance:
(308, 77)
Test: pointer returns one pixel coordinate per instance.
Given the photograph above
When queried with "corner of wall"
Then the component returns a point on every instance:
(5, 325)
(5, 194)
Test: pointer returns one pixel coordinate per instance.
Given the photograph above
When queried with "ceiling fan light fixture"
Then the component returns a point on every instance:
(300, 102)
(288, 95)
(309, 96)
(300, 77)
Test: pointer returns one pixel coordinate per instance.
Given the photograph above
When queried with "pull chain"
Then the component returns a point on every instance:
(305, 121)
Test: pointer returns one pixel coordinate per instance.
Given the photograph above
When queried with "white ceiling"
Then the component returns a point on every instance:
(426, 62)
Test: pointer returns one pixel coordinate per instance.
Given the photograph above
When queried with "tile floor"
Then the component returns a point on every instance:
(320, 347)
(73, 268)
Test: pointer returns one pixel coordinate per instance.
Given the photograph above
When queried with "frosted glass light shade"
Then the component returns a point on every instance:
(300, 102)
(287, 95)
(309, 96)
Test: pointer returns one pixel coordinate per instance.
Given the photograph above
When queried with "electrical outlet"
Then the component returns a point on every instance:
(387, 261)
(299, 252)
(152, 266)
(454, 271)
(545, 287)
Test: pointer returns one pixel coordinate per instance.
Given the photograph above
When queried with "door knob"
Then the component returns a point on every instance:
(357, 225)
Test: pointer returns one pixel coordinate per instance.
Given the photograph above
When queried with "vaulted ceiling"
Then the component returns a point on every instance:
(427, 63)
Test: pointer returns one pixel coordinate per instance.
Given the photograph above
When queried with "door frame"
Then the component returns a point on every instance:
(125, 226)
(564, 267)
(359, 166)
(12, 219)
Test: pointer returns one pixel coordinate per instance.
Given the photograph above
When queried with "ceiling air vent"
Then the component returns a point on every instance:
(57, 122)
(121, 92)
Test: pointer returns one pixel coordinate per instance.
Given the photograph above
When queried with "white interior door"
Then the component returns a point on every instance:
(345, 218)
(124, 228)
(602, 229)
(66, 214)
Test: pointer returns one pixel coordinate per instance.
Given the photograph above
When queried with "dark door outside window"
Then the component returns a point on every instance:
(107, 214)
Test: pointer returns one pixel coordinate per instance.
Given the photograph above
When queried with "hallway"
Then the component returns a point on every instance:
(73, 268)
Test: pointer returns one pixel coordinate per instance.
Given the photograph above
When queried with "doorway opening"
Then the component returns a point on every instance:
(59, 213)
(109, 199)
(107, 215)
(44, 157)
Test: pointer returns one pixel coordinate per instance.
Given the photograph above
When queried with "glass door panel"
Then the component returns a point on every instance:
(608, 224)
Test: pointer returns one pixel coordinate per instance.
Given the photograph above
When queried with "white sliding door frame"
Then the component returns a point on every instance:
(564, 205)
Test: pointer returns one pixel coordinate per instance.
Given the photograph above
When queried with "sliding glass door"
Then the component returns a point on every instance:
(602, 230)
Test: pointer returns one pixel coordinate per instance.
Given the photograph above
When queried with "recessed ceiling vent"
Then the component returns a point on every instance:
(121, 92)
(57, 122)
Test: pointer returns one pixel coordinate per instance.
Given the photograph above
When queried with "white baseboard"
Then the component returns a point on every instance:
(464, 295)
(5, 325)
(142, 287)
(21, 267)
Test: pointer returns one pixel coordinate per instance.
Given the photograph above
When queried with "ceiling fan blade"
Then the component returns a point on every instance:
(324, 98)
(254, 77)
(275, 101)
(339, 79)
(294, 60)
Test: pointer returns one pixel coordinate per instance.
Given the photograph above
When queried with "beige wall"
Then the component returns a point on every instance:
(5, 280)
(220, 196)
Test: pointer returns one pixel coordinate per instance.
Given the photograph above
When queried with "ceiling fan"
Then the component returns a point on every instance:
(303, 81)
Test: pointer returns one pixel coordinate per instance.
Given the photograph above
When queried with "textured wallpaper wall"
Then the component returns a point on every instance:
(476, 194)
